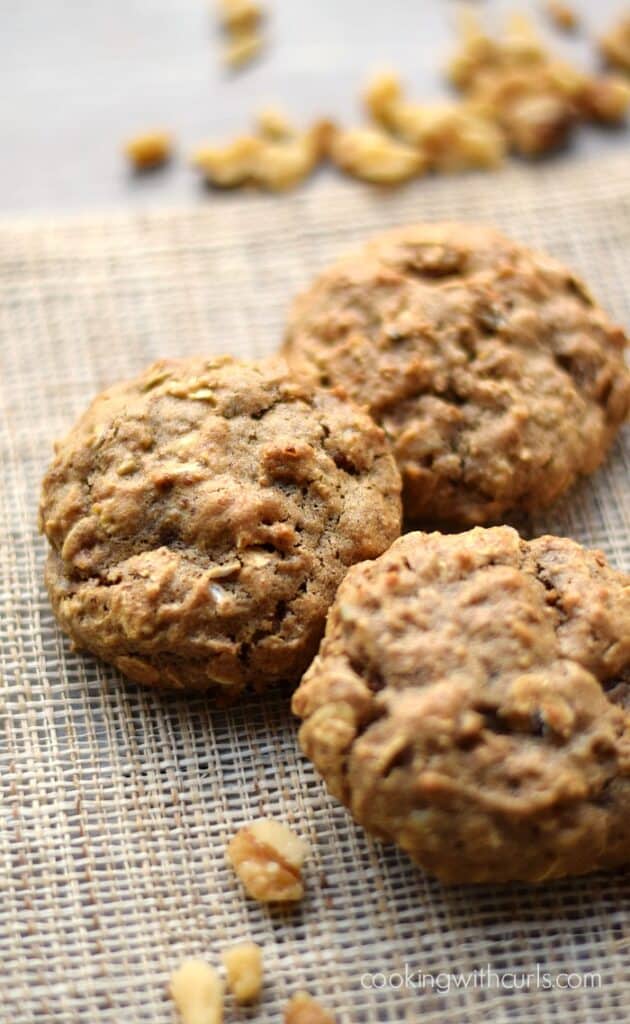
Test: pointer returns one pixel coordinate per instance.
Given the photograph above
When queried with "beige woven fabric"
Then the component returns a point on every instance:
(116, 804)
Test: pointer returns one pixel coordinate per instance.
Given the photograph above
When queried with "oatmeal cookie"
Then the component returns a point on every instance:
(497, 377)
(202, 515)
(470, 702)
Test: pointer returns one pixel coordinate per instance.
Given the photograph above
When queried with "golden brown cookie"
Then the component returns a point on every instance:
(470, 702)
(202, 515)
(491, 368)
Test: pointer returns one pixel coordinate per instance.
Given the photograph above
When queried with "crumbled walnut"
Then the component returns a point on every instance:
(241, 21)
(535, 116)
(452, 136)
(230, 165)
(605, 98)
(283, 164)
(239, 15)
(477, 51)
(149, 150)
(373, 155)
(562, 14)
(242, 48)
(303, 1009)
(267, 857)
(197, 991)
(272, 123)
(244, 971)
(522, 46)
(382, 98)
(516, 83)
(254, 160)
(615, 44)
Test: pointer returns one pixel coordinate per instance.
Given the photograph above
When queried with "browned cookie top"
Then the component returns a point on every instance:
(494, 372)
(469, 701)
(202, 515)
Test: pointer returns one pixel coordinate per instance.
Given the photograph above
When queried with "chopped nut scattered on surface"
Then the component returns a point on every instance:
(266, 162)
(274, 124)
(244, 970)
(197, 991)
(242, 48)
(230, 165)
(281, 165)
(241, 20)
(562, 14)
(151, 149)
(375, 156)
(303, 1009)
(239, 15)
(606, 99)
(532, 97)
(267, 857)
(452, 136)
(615, 44)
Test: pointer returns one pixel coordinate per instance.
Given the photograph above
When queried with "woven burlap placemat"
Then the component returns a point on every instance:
(116, 803)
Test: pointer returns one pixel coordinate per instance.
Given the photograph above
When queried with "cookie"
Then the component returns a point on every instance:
(470, 702)
(491, 368)
(202, 516)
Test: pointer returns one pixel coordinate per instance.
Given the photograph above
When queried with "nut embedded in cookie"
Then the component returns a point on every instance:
(202, 515)
(470, 702)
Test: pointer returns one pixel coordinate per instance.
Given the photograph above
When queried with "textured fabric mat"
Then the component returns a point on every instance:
(116, 804)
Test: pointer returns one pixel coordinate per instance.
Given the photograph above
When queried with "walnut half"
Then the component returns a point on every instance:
(268, 857)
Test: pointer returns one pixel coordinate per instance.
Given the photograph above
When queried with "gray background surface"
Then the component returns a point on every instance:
(78, 76)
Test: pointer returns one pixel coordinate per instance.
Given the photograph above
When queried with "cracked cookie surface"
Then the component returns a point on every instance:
(495, 374)
(470, 702)
(202, 515)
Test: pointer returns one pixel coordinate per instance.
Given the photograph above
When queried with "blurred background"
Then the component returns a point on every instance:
(78, 77)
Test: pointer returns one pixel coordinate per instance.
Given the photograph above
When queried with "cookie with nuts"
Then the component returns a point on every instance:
(496, 375)
(470, 702)
(201, 516)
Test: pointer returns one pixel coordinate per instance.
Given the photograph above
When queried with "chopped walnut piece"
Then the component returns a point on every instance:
(244, 970)
(535, 116)
(283, 164)
(230, 165)
(272, 123)
(533, 98)
(242, 48)
(303, 1009)
(615, 44)
(524, 91)
(452, 136)
(273, 165)
(373, 155)
(477, 51)
(197, 991)
(605, 98)
(239, 15)
(267, 857)
(562, 14)
(382, 97)
(241, 21)
(522, 45)
(151, 149)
